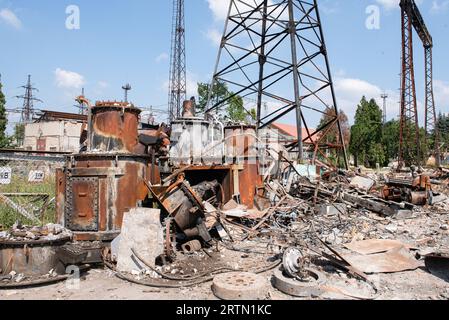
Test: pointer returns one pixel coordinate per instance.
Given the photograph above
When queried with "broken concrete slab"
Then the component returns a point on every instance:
(395, 260)
(333, 209)
(236, 213)
(141, 231)
(362, 183)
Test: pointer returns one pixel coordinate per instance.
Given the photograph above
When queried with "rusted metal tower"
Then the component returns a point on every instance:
(82, 108)
(410, 147)
(177, 82)
(275, 53)
(28, 102)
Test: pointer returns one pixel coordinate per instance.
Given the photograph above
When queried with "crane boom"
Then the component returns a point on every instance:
(418, 22)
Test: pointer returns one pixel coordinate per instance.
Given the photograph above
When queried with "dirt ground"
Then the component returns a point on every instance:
(424, 233)
(99, 284)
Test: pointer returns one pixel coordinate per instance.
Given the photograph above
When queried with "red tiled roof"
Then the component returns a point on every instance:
(291, 131)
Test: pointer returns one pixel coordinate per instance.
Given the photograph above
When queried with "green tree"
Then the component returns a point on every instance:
(390, 140)
(443, 126)
(366, 134)
(19, 134)
(4, 139)
(333, 136)
(233, 110)
(219, 92)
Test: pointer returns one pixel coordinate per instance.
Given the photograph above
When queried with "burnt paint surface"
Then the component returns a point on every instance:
(249, 181)
(120, 187)
(115, 129)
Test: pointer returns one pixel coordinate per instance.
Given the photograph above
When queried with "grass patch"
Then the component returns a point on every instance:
(9, 216)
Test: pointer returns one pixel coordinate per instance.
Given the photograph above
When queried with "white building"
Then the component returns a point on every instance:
(54, 132)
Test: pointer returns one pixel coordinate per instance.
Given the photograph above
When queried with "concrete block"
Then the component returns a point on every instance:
(362, 183)
(141, 231)
(333, 209)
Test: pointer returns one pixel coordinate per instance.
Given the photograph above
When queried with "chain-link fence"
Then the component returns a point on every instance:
(28, 194)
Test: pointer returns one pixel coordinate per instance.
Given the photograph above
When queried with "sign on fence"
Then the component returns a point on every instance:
(36, 176)
(5, 175)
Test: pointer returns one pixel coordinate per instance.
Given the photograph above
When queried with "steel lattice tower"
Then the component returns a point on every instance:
(274, 52)
(177, 82)
(409, 132)
(28, 102)
(431, 125)
(410, 148)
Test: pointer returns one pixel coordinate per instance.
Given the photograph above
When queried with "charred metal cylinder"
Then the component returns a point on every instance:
(114, 127)
(241, 148)
(98, 187)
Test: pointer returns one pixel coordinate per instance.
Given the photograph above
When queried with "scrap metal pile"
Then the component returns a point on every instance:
(297, 221)
(209, 202)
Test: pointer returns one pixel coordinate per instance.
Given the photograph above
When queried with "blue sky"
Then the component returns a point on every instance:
(129, 41)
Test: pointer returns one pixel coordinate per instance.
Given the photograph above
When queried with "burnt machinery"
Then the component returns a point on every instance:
(108, 178)
(409, 148)
(415, 188)
(118, 169)
(207, 149)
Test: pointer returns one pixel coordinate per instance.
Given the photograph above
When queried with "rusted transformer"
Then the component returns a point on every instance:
(195, 141)
(241, 149)
(98, 186)
(230, 157)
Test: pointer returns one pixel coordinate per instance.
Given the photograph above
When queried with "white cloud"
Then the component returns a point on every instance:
(219, 8)
(68, 79)
(191, 83)
(162, 57)
(439, 6)
(393, 4)
(330, 7)
(10, 18)
(441, 90)
(389, 4)
(350, 91)
(215, 36)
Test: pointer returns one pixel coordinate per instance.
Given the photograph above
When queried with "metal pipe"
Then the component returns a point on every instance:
(298, 100)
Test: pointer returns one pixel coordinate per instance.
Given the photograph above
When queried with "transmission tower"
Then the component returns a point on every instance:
(82, 109)
(27, 112)
(275, 52)
(177, 82)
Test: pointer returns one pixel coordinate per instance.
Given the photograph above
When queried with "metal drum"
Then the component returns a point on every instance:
(114, 127)
(241, 149)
